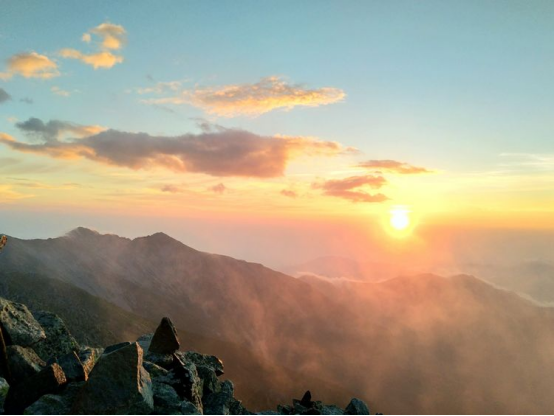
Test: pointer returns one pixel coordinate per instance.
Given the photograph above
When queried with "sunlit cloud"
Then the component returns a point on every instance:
(222, 152)
(393, 166)
(352, 188)
(4, 96)
(30, 65)
(8, 194)
(60, 92)
(266, 95)
(96, 60)
(111, 36)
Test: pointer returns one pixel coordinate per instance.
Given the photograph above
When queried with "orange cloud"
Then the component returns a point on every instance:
(218, 189)
(349, 188)
(111, 36)
(224, 152)
(289, 193)
(268, 94)
(30, 65)
(393, 166)
(96, 60)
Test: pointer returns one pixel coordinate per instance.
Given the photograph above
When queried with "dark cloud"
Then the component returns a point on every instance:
(221, 152)
(289, 193)
(174, 189)
(219, 188)
(4, 96)
(350, 188)
(53, 129)
(26, 100)
(393, 166)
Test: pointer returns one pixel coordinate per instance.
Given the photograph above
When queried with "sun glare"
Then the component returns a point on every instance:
(399, 218)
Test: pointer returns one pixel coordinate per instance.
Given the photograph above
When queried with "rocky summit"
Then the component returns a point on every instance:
(43, 370)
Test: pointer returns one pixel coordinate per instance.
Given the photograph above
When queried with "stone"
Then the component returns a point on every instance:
(55, 404)
(22, 395)
(202, 359)
(118, 384)
(23, 363)
(187, 408)
(144, 341)
(356, 407)
(331, 410)
(59, 340)
(4, 386)
(162, 360)
(115, 347)
(236, 408)
(73, 367)
(4, 368)
(166, 399)
(18, 325)
(219, 403)
(154, 370)
(165, 340)
(184, 378)
(89, 357)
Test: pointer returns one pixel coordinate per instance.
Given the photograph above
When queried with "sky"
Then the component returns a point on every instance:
(226, 121)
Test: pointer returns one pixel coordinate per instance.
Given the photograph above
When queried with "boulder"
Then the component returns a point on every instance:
(4, 368)
(165, 340)
(18, 325)
(115, 347)
(187, 408)
(203, 360)
(22, 395)
(184, 379)
(118, 384)
(356, 407)
(144, 341)
(4, 386)
(162, 360)
(220, 403)
(331, 410)
(59, 340)
(55, 404)
(236, 408)
(88, 357)
(23, 363)
(166, 399)
(73, 367)
(154, 370)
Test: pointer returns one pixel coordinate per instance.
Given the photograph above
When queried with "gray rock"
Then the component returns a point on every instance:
(210, 383)
(111, 348)
(187, 408)
(4, 386)
(203, 360)
(166, 399)
(89, 357)
(154, 370)
(356, 407)
(55, 404)
(165, 340)
(118, 384)
(59, 340)
(4, 368)
(144, 341)
(331, 410)
(236, 408)
(73, 367)
(23, 363)
(220, 403)
(184, 378)
(22, 395)
(162, 360)
(18, 324)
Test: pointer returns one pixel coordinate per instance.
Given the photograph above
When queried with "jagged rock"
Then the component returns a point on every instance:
(22, 395)
(73, 367)
(219, 403)
(144, 341)
(115, 347)
(54, 404)
(187, 408)
(19, 327)
(236, 408)
(356, 407)
(118, 384)
(154, 370)
(184, 379)
(165, 340)
(4, 386)
(284, 409)
(59, 340)
(210, 383)
(162, 360)
(23, 363)
(166, 399)
(203, 360)
(88, 357)
(331, 410)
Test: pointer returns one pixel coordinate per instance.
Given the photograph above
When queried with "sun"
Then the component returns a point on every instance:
(399, 218)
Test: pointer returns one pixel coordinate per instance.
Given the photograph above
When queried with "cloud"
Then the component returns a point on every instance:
(4, 96)
(222, 152)
(60, 92)
(289, 193)
(174, 189)
(96, 60)
(218, 189)
(26, 100)
(111, 37)
(349, 188)
(266, 95)
(55, 129)
(393, 166)
(30, 65)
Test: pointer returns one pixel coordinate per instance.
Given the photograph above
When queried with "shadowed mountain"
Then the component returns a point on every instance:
(422, 344)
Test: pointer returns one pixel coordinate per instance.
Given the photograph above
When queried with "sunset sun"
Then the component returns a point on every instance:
(399, 218)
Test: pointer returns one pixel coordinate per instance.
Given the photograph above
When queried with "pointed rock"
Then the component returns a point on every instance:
(356, 407)
(19, 327)
(118, 384)
(165, 340)
(73, 367)
(22, 395)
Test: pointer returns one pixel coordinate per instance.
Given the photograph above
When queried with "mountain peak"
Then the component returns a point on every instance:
(81, 232)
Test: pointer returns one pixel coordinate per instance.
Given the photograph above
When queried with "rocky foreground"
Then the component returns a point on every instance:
(44, 370)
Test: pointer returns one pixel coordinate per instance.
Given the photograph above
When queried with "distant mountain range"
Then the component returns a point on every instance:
(419, 344)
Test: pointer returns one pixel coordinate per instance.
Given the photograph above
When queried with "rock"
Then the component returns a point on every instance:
(154, 370)
(306, 400)
(162, 360)
(23, 363)
(236, 408)
(19, 327)
(203, 360)
(144, 341)
(4, 386)
(356, 407)
(284, 409)
(4, 368)
(22, 395)
(219, 403)
(165, 340)
(59, 340)
(118, 384)
(187, 408)
(88, 357)
(53, 404)
(73, 367)
(166, 399)
(115, 347)
(184, 379)
(210, 383)
(331, 410)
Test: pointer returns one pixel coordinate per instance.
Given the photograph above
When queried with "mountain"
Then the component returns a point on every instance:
(417, 344)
